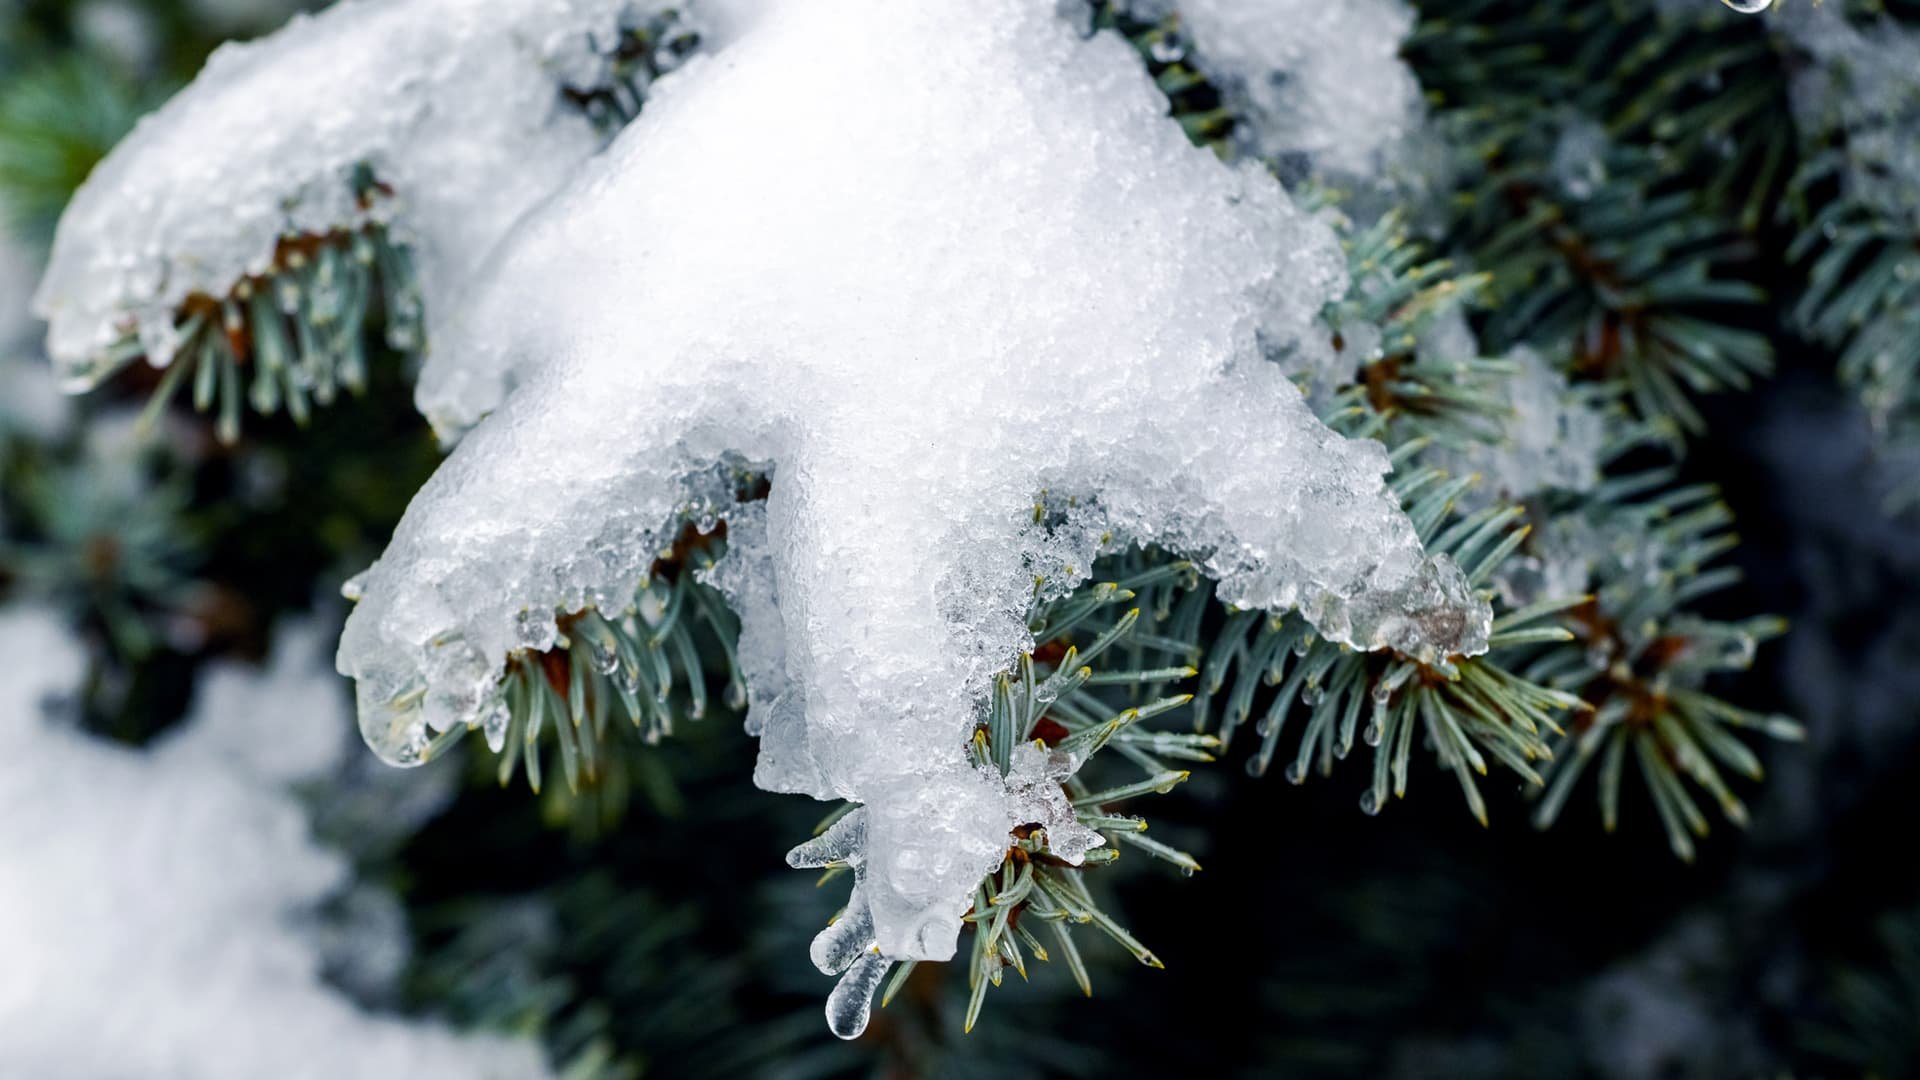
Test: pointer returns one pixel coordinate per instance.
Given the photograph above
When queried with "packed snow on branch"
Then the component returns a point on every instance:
(453, 107)
(1319, 88)
(1005, 272)
(1864, 84)
(156, 904)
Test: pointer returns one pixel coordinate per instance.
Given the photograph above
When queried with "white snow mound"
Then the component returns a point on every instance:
(1317, 87)
(924, 262)
(151, 901)
(453, 104)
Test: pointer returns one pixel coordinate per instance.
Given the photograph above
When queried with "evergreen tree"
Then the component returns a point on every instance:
(1046, 427)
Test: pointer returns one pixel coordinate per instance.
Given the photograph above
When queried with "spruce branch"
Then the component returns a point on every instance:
(1638, 660)
(1396, 296)
(645, 669)
(1069, 698)
(1470, 710)
(1866, 1020)
(294, 336)
(1860, 249)
(1591, 227)
(290, 337)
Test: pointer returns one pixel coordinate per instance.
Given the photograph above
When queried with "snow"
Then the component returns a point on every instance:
(1561, 561)
(1005, 272)
(455, 105)
(151, 901)
(1863, 84)
(1551, 439)
(1307, 78)
(1579, 163)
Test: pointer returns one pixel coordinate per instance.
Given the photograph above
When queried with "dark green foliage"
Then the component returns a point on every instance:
(58, 118)
(1873, 1009)
(1614, 201)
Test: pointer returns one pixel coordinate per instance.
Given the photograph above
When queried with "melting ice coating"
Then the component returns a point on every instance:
(454, 104)
(925, 262)
(1307, 77)
(152, 900)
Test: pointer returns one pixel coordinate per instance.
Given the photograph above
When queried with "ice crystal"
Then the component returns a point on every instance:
(1006, 272)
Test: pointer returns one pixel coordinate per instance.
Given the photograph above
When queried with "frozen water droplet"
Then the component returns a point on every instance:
(1748, 6)
(845, 841)
(1381, 693)
(1297, 772)
(159, 339)
(851, 1002)
(1373, 733)
(1369, 802)
(494, 726)
(937, 934)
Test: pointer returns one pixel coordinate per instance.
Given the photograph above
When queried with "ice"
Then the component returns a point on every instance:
(454, 105)
(1038, 798)
(151, 900)
(1005, 273)
(1314, 83)
(1864, 86)
(1551, 438)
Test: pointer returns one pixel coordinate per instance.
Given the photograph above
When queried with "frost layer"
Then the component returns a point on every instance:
(1317, 86)
(453, 104)
(150, 900)
(1004, 272)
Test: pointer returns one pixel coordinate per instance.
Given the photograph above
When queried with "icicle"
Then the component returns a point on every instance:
(851, 1003)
